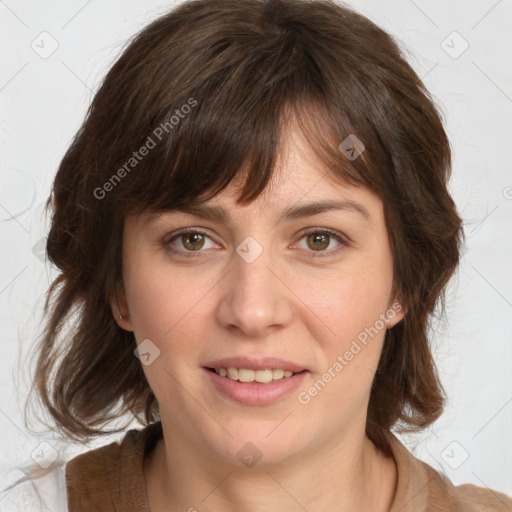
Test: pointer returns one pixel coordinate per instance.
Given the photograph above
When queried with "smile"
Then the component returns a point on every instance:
(244, 387)
(247, 375)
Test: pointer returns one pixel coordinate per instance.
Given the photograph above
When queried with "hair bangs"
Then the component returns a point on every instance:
(234, 122)
(199, 161)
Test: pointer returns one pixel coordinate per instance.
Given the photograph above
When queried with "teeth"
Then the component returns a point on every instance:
(233, 373)
(277, 374)
(246, 375)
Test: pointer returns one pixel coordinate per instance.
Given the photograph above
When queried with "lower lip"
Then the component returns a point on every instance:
(256, 393)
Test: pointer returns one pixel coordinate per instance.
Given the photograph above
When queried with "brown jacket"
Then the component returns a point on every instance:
(111, 479)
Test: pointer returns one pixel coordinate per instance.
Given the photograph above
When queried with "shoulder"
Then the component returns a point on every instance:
(443, 495)
(472, 498)
(36, 494)
(132, 448)
(112, 474)
(420, 487)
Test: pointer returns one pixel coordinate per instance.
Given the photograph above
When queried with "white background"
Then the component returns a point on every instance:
(43, 103)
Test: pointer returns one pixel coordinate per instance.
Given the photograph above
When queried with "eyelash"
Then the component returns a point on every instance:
(310, 254)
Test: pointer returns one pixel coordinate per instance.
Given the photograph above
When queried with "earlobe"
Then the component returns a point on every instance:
(395, 313)
(120, 313)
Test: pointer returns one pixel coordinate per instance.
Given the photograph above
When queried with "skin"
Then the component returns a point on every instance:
(315, 456)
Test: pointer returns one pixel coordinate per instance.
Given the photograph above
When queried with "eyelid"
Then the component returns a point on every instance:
(185, 231)
(333, 232)
(342, 239)
(182, 231)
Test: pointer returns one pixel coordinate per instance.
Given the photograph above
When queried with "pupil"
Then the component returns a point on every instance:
(319, 239)
(195, 238)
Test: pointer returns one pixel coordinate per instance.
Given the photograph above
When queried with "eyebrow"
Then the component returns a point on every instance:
(297, 211)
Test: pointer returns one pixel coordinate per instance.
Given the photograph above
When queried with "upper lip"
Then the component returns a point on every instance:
(255, 363)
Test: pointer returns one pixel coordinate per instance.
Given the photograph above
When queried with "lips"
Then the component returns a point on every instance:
(253, 363)
(254, 393)
(288, 376)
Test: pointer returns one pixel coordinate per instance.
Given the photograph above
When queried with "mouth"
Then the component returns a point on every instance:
(249, 376)
(254, 380)
(254, 386)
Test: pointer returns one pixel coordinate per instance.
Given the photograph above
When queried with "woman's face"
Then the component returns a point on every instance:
(280, 279)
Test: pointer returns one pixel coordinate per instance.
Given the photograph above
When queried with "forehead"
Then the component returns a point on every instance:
(299, 177)
(284, 203)
(298, 171)
(301, 185)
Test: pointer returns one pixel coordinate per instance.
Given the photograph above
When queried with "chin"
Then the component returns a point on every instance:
(261, 445)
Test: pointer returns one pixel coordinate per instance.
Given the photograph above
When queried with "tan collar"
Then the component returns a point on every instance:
(111, 479)
(419, 486)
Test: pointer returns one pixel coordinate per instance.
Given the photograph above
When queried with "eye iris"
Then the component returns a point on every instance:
(195, 237)
(321, 238)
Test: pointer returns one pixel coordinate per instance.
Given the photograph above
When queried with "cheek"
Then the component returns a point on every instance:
(166, 306)
(350, 305)
(350, 302)
(356, 337)
(350, 352)
(149, 299)
(165, 309)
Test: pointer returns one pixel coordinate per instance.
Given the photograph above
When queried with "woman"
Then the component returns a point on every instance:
(253, 228)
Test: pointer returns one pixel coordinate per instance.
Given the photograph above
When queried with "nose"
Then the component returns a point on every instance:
(255, 298)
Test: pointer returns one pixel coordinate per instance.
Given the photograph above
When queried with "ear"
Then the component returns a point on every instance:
(395, 313)
(120, 310)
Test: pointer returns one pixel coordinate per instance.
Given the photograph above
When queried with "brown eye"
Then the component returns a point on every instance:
(318, 241)
(192, 241)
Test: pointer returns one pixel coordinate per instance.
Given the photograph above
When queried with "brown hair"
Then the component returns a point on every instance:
(206, 89)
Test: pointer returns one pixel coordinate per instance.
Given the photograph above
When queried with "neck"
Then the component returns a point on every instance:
(347, 474)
